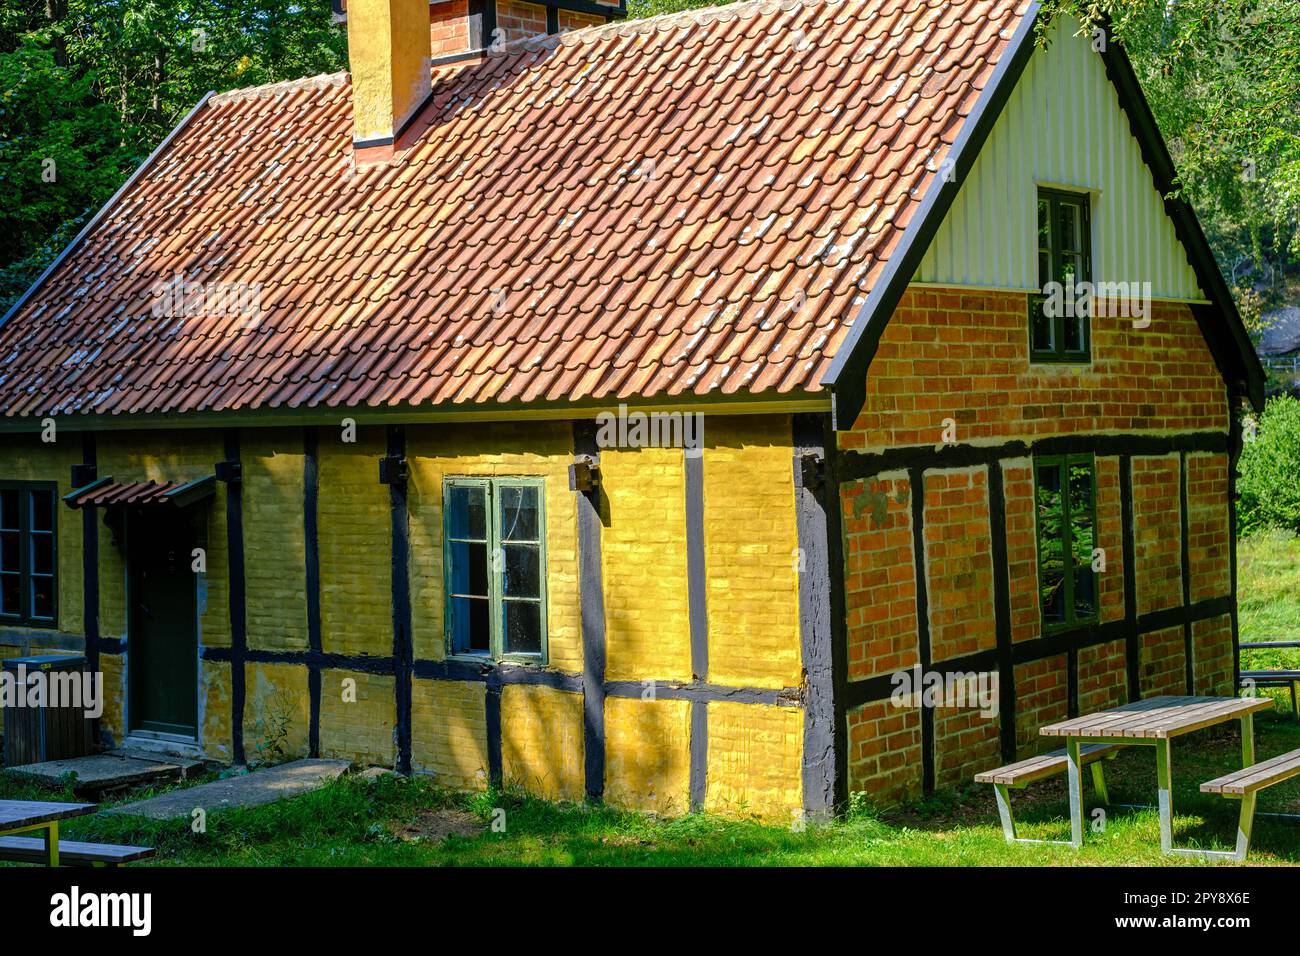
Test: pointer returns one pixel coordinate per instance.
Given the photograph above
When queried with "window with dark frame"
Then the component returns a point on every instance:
(495, 561)
(1066, 521)
(28, 554)
(1061, 334)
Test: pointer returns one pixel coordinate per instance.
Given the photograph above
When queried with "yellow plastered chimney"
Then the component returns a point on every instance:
(388, 53)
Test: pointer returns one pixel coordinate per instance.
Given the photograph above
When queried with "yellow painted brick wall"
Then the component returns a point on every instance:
(755, 752)
(541, 741)
(360, 730)
(214, 710)
(532, 450)
(648, 754)
(277, 712)
(113, 720)
(356, 550)
(643, 544)
(750, 552)
(449, 732)
(275, 566)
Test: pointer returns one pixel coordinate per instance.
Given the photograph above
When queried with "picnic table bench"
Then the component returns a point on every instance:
(1154, 722)
(1276, 677)
(1018, 775)
(71, 853)
(38, 816)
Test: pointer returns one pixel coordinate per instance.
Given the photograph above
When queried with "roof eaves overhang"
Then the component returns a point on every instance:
(847, 375)
(763, 403)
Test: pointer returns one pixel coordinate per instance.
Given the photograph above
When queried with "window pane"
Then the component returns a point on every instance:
(42, 597)
(1041, 326)
(1082, 539)
(1069, 232)
(9, 509)
(1044, 270)
(1051, 551)
(10, 594)
(1044, 226)
(42, 554)
(10, 551)
(1076, 333)
(523, 627)
(467, 512)
(469, 568)
(42, 511)
(522, 576)
(469, 625)
(518, 514)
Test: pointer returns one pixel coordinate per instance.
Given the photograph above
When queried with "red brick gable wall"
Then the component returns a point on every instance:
(965, 355)
(958, 360)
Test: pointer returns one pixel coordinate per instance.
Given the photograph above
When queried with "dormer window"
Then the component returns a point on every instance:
(1059, 314)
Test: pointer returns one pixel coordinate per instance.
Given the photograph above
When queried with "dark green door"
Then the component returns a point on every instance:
(163, 650)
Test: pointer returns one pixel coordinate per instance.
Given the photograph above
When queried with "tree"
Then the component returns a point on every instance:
(89, 87)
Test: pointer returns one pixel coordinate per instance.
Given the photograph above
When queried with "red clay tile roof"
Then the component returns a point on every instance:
(693, 204)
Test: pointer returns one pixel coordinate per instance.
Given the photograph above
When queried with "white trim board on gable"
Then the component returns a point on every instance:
(1062, 127)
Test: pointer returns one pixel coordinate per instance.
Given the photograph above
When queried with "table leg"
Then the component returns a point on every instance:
(1247, 740)
(52, 843)
(1165, 785)
(1075, 783)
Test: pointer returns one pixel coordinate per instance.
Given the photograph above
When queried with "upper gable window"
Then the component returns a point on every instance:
(1058, 315)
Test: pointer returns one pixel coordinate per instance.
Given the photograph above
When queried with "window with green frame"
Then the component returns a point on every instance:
(28, 553)
(1064, 489)
(495, 568)
(1064, 256)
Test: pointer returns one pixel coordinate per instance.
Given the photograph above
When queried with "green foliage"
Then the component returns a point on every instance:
(1269, 469)
(89, 87)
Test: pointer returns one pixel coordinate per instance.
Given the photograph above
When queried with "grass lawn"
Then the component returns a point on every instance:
(395, 821)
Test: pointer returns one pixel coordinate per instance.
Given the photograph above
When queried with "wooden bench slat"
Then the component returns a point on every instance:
(1256, 776)
(1042, 766)
(32, 850)
(1279, 675)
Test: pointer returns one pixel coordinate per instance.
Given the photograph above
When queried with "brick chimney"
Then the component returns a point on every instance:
(391, 44)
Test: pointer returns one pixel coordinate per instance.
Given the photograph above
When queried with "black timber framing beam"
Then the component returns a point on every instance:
(697, 613)
(311, 565)
(1186, 561)
(816, 518)
(401, 594)
(916, 481)
(90, 560)
(1002, 612)
(591, 587)
(1234, 454)
(858, 465)
(1132, 636)
(238, 598)
(882, 686)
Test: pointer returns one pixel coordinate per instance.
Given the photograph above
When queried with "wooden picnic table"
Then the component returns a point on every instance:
(27, 816)
(1154, 722)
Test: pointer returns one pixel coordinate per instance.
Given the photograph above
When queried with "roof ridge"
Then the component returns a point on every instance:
(320, 80)
(725, 11)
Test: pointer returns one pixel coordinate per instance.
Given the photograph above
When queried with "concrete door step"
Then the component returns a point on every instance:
(100, 775)
(246, 790)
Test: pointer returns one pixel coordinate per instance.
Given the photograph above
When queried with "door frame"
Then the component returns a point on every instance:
(128, 728)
